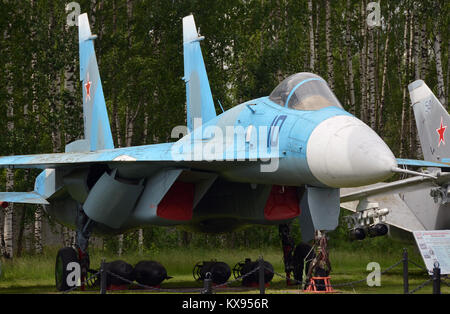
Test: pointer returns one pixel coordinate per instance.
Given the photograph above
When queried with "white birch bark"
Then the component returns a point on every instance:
(120, 245)
(363, 62)
(383, 80)
(402, 76)
(8, 217)
(141, 241)
(312, 53)
(38, 230)
(440, 74)
(328, 39)
(371, 78)
(350, 59)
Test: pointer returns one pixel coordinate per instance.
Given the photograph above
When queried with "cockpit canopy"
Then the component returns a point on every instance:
(304, 91)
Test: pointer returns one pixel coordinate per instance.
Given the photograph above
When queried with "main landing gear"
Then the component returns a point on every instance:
(72, 264)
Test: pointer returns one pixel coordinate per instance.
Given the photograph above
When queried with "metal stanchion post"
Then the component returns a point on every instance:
(436, 279)
(405, 272)
(262, 287)
(103, 277)
(207, 284)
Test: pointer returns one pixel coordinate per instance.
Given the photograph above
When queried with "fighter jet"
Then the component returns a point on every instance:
(416, 203)
(266, 161)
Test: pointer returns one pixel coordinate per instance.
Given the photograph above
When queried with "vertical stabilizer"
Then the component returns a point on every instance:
(432, 121)
(97, 130)
(199, 99)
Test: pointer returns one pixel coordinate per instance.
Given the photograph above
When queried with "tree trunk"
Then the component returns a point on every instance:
(363, 62)
(141, 241)
(440, 74)
(416, 45)
(120, 245)
(38, 230)
(351, 84)
(403, 69)
(424, 49)
(383, 80)
(8, 220)
(312, 53)
(330, 66)
(371, 77)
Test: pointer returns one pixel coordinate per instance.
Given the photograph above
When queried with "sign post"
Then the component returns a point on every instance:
(434, 246)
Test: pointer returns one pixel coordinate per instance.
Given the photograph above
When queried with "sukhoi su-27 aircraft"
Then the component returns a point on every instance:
(267, 161)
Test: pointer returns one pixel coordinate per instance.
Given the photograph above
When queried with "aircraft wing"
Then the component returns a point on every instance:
(409, 184)
(146, 153)
(400, 215)
(22, 197)
(423, 163)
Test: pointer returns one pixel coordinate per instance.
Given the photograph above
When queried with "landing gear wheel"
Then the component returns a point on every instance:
(65, 256)
(302, 251)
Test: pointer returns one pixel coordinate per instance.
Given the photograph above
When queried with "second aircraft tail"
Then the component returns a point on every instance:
(432, 121)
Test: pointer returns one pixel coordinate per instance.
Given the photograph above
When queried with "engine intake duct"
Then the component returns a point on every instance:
(112, 199)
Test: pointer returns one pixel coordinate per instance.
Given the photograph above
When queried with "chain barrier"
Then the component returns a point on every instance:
(193, 290)
(153, 288)
(421, 267)
(237, 279)
(421, 286)
(293, 280)
(351, 283)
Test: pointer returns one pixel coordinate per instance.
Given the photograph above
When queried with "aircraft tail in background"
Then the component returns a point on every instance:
(199, 99)
(433, 122)
(97, 130)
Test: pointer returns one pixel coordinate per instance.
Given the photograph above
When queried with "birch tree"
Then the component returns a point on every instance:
(328, 40)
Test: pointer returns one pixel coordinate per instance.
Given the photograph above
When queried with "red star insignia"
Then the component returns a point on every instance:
(88, 88)
(441, 132)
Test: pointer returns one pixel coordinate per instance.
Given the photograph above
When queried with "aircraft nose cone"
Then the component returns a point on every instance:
(344, 152)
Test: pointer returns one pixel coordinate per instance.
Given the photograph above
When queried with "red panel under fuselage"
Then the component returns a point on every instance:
(283, 203)
(177, 203)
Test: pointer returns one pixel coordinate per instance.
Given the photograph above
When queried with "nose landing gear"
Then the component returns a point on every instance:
(304, 260)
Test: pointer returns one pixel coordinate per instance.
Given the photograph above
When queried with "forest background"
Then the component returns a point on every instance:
(250, 46)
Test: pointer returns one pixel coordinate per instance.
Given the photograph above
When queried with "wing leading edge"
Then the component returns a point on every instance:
(22, 197)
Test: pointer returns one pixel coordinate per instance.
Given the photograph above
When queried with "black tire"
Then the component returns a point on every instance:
(300, 253)
(65, 256)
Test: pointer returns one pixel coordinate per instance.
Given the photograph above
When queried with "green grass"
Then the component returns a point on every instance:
(35, 274)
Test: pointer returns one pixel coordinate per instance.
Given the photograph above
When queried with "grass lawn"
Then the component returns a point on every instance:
(35, 274)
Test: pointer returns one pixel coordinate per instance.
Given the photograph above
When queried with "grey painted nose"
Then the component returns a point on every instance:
(342, 151)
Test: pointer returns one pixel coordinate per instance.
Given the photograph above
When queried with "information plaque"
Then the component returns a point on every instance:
(434, 246)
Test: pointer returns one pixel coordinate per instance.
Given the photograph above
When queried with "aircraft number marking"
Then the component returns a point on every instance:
(272, 138)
